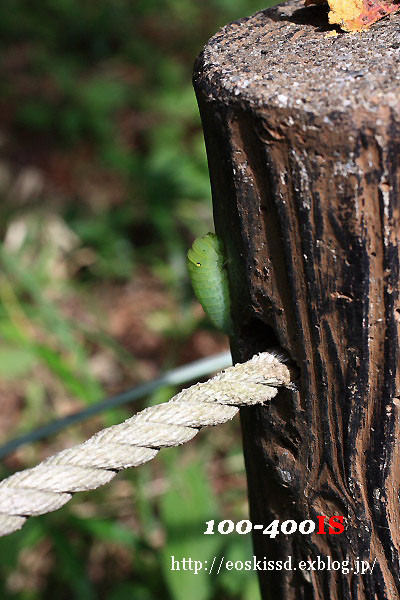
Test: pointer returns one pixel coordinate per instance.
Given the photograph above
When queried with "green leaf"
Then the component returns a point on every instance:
(130, 591)
(237, 581)
(71, 568)
(185, 508)
(106, 530)
(16, 362)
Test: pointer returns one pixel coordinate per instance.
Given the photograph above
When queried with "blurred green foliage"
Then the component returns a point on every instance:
(103, 185)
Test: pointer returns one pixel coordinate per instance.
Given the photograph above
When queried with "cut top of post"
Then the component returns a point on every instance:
(285, 56)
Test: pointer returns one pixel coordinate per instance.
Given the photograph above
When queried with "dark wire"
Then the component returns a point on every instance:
(177, 376)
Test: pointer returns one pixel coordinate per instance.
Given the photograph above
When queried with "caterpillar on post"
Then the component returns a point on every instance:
(206, 266)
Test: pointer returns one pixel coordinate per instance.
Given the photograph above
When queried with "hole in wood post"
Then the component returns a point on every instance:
(258, 335)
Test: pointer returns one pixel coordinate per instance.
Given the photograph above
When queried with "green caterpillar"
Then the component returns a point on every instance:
(206, 266)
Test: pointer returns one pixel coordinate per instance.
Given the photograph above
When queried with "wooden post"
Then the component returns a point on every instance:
(303, 139)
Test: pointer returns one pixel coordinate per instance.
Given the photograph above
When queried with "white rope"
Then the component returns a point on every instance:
(50, 484)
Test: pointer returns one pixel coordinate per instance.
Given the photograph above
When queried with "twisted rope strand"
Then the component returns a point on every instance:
(50, 484)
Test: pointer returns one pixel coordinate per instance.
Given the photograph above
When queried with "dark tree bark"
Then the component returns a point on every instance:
(303, 139)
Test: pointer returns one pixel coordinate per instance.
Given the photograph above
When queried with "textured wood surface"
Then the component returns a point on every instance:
(303, 139)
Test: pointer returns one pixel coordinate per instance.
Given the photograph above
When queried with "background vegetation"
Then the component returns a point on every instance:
(104, 184)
